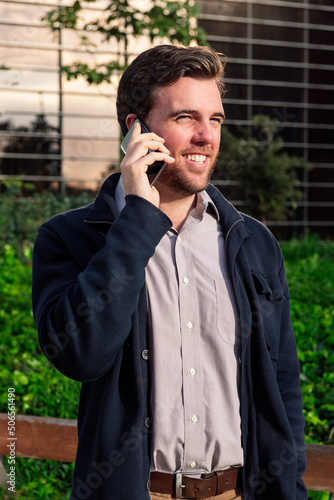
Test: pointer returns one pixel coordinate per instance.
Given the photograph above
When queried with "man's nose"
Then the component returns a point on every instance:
(203, 133)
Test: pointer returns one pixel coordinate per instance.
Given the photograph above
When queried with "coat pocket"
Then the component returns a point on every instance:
(270, 286)
(270, 298)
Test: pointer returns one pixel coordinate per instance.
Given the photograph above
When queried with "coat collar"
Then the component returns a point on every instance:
(104, 208)
(231, 220)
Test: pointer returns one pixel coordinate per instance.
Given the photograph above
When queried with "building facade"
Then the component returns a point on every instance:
(280, 62)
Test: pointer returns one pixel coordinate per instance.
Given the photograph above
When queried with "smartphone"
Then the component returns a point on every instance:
(155, 170)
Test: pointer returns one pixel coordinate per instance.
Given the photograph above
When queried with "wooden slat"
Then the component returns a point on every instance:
(320, 467)
(40, 437)
(56, 439)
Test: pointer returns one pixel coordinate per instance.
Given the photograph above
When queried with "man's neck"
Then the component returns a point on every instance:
(178, 209)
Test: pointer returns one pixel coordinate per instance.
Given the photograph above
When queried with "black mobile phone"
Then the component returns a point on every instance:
(154, 171)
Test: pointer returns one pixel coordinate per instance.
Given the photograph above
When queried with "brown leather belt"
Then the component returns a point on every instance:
(208, 485)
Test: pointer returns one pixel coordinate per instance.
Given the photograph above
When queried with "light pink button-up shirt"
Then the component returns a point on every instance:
(194, 352)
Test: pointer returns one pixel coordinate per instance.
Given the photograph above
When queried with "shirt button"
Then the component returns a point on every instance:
(179, 238)
(189, 325)
(145, 354)
(148, 423)
(192, 371)
(185, 280)
(194, 419)
(192, 464)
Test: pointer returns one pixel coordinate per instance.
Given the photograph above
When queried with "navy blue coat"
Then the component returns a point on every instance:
(89, 304)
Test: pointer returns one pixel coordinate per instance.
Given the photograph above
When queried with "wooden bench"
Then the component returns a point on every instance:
(56, 439)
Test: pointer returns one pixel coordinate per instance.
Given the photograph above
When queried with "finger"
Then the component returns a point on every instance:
(157, 146)
(136, 130)
(155, 156)
(136, 133)
(140, 148)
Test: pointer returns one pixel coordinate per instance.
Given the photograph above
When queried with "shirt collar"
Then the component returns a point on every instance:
(120, 195)
(205, 204)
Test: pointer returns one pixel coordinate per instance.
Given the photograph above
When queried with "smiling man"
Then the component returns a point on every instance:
(172, 309)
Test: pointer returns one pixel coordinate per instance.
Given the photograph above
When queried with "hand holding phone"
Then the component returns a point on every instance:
(153, 171)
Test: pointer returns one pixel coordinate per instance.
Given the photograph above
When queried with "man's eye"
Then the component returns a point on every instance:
(217, 121)
(183, 118)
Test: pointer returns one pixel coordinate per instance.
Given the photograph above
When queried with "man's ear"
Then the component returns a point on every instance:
(130, 119)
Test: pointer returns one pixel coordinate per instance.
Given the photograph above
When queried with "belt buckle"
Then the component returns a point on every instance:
(178, 485)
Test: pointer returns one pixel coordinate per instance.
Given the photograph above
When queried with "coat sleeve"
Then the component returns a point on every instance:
(288, 377)
(83, 316)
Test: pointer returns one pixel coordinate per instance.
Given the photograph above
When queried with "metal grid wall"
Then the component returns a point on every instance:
(280, 62)
(83, 135)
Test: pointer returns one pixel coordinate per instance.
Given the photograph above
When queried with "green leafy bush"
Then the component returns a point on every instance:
(21, 216)
(310, 273)
(41, 480)
(39, 388)
(258, 170)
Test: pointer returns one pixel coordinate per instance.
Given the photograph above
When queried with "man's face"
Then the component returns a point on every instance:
(188, 115)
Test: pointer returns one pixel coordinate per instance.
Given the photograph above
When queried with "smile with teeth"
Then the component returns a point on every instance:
(196, 158)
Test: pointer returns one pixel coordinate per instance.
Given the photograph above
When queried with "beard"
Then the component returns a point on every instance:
(185, 181)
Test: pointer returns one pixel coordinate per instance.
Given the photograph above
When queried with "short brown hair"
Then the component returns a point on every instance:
(161, 66)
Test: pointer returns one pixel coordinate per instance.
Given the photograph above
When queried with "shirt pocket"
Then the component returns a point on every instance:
(226, 312)
(271, 295)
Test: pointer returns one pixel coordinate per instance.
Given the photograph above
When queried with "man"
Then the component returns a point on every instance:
(172, 309)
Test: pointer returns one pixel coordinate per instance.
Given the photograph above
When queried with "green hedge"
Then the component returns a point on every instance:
(21, 216)
(41, 390)
(310, 273)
